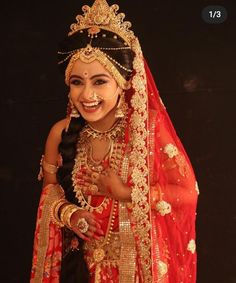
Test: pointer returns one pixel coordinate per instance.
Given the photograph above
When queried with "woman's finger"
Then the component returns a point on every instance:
(81, 235)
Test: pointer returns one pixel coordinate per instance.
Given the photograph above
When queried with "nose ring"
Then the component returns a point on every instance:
(95, 97)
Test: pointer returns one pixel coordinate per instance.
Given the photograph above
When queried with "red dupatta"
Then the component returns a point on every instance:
(164, 195)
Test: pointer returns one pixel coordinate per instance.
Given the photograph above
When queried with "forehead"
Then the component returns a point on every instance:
(93, 68)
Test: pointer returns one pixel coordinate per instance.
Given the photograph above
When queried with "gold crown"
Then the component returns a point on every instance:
(105, 17)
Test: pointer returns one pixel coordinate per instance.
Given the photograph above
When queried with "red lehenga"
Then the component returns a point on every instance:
(157, 229)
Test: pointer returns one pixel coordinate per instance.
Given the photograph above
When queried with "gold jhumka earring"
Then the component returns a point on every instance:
(121, 107)
(73, 112)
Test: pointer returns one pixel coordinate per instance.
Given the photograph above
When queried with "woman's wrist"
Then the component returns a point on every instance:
(66, 214)
(56, 210)
(62, 211)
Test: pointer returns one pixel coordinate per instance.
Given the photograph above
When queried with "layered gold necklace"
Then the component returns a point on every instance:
(84, 159)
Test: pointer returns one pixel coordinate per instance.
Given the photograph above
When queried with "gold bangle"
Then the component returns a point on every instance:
(62, 213)
(55, 211)
(66, 213)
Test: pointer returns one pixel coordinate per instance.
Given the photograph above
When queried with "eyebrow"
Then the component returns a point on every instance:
(91, 78)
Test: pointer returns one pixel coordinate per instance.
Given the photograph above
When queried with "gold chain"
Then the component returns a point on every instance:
(82, 160)
(99, 253)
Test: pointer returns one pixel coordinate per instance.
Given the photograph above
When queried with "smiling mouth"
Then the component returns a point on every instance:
(91, 105)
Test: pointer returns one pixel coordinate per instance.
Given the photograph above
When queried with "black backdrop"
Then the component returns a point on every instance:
(194, 67)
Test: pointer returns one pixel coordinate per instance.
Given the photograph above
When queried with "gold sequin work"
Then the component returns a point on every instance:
(191, 246)
(163, 207)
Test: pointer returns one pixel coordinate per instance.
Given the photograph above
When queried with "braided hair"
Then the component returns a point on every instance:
(74, 269)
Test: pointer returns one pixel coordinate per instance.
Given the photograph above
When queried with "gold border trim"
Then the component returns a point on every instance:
(51, 194)
(128, 253)
(139, 158)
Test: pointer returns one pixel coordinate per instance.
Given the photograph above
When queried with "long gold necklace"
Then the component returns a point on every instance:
(99, 252)
(82, 160)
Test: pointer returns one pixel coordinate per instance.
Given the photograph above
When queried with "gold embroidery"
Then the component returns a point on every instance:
(163, 207)
(109, 254)
(127, 264)
(162, 268)
(138, 158)
(152, 124)
(128, 253)
(171, 150)
(175, 158)
(191, 246)
(53, 193)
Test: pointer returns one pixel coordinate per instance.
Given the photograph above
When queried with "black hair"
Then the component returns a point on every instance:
(105, 39)
(74, 269)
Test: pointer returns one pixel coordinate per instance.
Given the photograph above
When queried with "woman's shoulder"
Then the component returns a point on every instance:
(59, 126)
(56, 131)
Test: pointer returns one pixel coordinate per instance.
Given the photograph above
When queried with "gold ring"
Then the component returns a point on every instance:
(82, 225)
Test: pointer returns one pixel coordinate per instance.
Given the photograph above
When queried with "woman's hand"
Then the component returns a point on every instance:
(94, 229)
(108, 183)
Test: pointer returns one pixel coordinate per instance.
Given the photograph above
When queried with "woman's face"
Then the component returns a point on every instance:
(93, 91)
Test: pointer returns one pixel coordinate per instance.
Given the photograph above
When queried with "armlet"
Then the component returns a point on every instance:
(46, 167)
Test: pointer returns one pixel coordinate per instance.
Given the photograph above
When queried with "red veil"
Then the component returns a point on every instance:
(173, 221)
(164, 196)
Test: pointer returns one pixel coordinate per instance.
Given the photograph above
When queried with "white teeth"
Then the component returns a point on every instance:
(90, 104)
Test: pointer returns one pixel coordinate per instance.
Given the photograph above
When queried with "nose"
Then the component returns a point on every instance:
(86, 92)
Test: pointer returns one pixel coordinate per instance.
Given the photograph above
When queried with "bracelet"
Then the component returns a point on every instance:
(66, 213)
(55, 211)
(49, 168)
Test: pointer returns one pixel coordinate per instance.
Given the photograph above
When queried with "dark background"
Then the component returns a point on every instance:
(194, 67)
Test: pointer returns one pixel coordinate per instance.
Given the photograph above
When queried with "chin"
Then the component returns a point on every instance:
(92, 117)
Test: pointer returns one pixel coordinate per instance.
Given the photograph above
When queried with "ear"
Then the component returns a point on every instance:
(119, 90)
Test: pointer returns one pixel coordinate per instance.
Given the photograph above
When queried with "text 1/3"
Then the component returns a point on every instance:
(214, 14)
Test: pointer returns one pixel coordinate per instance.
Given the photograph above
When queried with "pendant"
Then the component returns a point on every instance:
(98, 255)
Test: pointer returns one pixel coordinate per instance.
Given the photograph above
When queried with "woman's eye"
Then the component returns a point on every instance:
(75, 82)
(100, 82)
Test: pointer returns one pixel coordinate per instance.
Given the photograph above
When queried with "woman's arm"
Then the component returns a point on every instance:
(52, 158)
(51, 155)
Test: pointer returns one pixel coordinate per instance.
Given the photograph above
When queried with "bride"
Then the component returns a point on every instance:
(119, 193)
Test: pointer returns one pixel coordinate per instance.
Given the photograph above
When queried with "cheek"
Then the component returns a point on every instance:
(74, 94)
(110, 103)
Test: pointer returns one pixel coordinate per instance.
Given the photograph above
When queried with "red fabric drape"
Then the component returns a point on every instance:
(173, 199)
(173, 230)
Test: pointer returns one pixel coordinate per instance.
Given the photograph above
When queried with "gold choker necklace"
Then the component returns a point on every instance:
(115, 131)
